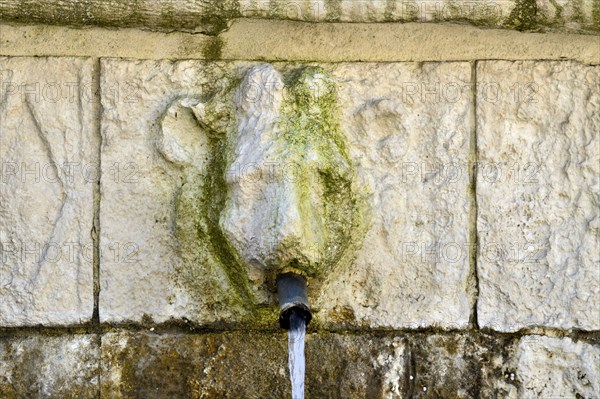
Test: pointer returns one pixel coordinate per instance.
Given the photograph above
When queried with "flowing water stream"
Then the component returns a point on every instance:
(296, 336)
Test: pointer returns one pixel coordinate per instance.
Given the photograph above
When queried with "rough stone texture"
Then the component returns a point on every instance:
(153, 163)
(163, 363)
(408, 129)
(213, 16)
(49, 367)
(538, 195)
(256, 39)
(569, 14)
(49, 166)
(557, 368)
(413, 268)
(294, 207)
(460, 366)
(252, 365)
(490, 13)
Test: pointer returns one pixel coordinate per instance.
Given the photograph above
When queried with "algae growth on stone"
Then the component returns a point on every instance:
(291, 203)
(277, 192)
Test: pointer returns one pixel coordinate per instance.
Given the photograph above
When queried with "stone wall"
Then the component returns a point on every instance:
(476, 269)
(214, 16)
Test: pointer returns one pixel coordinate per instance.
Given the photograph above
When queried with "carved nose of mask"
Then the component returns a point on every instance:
(297, 231)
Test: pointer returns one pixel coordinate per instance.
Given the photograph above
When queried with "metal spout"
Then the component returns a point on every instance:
(291, 289)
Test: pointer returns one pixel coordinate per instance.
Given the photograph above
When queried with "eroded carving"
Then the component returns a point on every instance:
(279, 191)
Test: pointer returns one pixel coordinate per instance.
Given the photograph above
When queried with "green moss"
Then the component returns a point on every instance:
(333, 9)
(596, 15)
(214, 18)
(523, 16)
(213, 48)
(559, 10)
(309, 117)
(578, 15)
(310, 120)
(311, 111)
(390, 9)
(455, 11)
(210, 271)
(213, 203)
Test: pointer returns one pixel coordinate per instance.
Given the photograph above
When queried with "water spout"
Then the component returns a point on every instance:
(291, 289)
(294, 316)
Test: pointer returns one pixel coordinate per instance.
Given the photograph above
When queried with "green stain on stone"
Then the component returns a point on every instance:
(559, 11)
(596, 15)
(213, 49)
(578, 14)
(310, 124)
(211, 272)
(333, 9)
(523, 16)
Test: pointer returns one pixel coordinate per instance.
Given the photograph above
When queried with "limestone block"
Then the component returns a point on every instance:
(580, 14)
(459, 365)
(215, 16)
(165, 127)
(408, 127)
(557, 368)
(254, 365)
(538, 195)
(154, 157)
(49, 168)
(49, 367)
(241, 365)
(490, 13)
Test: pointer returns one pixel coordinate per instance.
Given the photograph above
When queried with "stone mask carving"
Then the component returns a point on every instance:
(290, 205)
(279, 193)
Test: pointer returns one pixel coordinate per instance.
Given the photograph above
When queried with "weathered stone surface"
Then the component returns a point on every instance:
(575, 15)
(296, 209)
(214, 16)
(491, 13)
(557, 368)
(259, 39)
(408, 128)
(537, 195)
(49, 367)
(154, 160)
(163, 364)
(413, 267)
(253, 365)
(460, 366)
(240, 365)
(49, 167)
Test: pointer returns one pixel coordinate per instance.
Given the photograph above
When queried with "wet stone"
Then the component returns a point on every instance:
(238, 364)
(557, 367)
(42, 366)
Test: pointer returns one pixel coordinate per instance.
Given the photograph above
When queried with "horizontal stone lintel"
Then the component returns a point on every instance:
(267, 40)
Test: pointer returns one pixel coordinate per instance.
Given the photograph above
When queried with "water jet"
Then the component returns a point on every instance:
(292, 210)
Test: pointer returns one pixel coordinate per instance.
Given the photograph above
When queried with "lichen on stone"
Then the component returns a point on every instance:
(307, 135)
(596, 15)
(523, 16)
